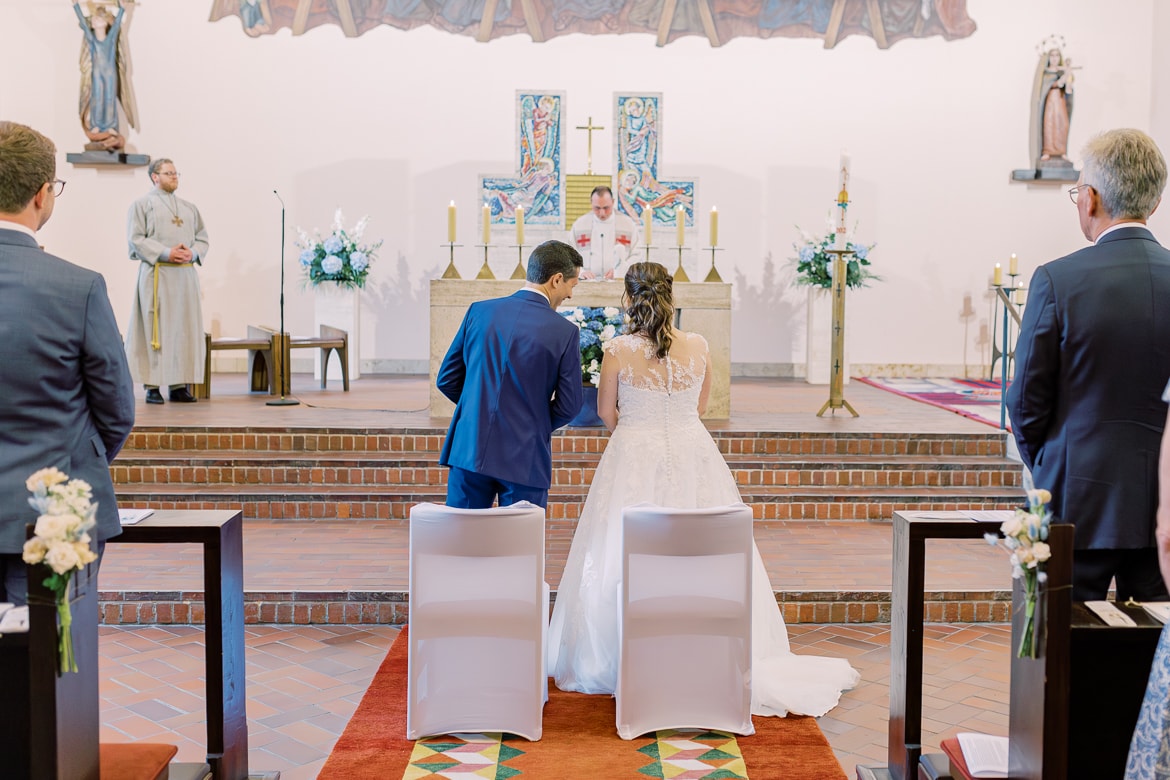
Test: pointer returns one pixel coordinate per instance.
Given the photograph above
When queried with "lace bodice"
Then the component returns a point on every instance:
(651, 389)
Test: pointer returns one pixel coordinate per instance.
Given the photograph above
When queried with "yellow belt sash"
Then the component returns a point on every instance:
(154, 339)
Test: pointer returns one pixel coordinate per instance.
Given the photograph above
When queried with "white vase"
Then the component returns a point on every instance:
(819, 353)
(339, 307)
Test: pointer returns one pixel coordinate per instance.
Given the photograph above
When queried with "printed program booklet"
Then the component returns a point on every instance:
(132, 516)
(986, 756)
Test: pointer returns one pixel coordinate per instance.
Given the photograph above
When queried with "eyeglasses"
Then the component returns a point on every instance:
(168, 173)
(1074, 192)
(57, 186)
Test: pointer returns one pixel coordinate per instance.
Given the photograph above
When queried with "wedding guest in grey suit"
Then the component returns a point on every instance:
(1091, 362)
(66, 398)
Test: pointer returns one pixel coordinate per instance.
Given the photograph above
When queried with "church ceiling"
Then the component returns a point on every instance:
(886, 21)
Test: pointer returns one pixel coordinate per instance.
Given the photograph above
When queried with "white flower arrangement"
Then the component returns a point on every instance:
(339, 257)
(1025, 536)
(814, 263)
(598, 325)
(61, 542)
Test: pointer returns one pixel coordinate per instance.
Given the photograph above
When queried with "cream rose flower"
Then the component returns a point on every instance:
(50, 527)
(34, 550)
(62, 557)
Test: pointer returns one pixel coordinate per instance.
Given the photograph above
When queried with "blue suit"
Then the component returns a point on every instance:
(514, 373)
(66, 399)
(1092, 360)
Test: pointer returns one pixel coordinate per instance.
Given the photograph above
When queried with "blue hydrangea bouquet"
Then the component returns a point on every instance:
(340, 257)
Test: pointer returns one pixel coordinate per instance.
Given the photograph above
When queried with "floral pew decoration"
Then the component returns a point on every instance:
(1025, 536)
(61, 544)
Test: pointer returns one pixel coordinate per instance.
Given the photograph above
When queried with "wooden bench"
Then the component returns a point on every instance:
(262, 370)
(330, 340)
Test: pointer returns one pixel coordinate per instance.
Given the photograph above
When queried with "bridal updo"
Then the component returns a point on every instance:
(650, 304)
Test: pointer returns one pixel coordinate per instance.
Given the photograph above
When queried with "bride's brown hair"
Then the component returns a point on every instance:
(650, 303)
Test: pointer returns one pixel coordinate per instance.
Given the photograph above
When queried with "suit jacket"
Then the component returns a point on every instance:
(514, 373)
(66, 399)
(1092, 360)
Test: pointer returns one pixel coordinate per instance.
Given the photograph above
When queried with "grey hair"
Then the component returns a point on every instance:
(1127, 170)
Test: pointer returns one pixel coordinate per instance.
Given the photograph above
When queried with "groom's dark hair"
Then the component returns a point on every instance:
(551, 258)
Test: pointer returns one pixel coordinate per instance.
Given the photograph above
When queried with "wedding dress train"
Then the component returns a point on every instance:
(661, 453)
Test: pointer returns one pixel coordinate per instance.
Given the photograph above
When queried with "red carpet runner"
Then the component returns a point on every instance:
(580, 741)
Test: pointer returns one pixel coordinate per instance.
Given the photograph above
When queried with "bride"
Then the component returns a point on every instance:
(654, 386)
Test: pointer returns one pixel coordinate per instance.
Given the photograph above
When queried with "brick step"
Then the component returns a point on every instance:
(429, 440)
(337, 468)
(310, 502)
(147, 607)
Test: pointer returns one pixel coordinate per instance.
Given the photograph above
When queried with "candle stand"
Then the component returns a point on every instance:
(519, 273)
(713, 275)
(680, 275)
(1007, 352)
(648, 248)
(485, 272)
(452, 272)
(836, 371)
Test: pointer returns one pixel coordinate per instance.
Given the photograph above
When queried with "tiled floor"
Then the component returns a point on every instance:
(304, 682)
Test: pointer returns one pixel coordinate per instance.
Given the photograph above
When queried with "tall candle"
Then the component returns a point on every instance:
(997, 277)
(451, 223)
(487, 225)
(714, 226)
(520, 225)
(1013, 265)
(842, 198)
(647, 221)
(680, 220)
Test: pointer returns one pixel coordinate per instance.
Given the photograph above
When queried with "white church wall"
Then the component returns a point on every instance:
(396, 124)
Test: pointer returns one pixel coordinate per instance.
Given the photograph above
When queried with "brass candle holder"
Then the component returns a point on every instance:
(837, 355)
(519, 273)
(485, 271)
(713, 275)
(452, 272)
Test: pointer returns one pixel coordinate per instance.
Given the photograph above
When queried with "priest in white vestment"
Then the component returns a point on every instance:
(605, 238)
(165, 341)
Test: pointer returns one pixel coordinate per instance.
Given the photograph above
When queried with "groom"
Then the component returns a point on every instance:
(514, 373)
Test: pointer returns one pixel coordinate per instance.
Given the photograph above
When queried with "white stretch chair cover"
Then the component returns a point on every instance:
(685, 616)
(478, 621)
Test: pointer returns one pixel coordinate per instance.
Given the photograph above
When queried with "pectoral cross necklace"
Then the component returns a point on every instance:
(175, 218)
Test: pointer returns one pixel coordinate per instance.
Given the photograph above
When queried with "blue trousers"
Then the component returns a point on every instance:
(471, 490)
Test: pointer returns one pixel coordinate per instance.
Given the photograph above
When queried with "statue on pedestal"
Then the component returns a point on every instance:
(1052, 105)
(105, 78)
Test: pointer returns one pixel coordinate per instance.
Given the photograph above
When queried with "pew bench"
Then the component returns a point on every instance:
(330, 340)
(262, 371)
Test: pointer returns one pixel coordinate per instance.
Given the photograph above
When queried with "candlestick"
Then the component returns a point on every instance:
(1013, 265)
(451, 223)
(487, 225)
(647, 221)
(680, 221)
(714, 228)
(520, 225)
(997, 276)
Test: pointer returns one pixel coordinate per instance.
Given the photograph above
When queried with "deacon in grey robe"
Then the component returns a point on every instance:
(167, 236)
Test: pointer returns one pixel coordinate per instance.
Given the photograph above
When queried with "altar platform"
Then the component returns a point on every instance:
(326, 487)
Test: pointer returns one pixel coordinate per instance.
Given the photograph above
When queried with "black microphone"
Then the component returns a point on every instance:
(284, 378)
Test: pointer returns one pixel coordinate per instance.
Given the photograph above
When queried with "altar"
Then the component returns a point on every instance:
(700, 307)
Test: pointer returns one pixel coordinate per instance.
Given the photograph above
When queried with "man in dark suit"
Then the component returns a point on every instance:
(514, 373)
(65, 394)
(1091, 361)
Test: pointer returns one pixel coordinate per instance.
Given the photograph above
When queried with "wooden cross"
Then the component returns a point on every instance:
(589, 128)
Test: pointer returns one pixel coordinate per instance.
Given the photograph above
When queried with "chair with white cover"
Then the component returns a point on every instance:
(685, 617)
(478, 621)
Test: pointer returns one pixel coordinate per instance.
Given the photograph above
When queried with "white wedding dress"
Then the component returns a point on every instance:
(661, 453)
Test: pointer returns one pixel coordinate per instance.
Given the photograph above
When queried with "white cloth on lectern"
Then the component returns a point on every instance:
(605, 244)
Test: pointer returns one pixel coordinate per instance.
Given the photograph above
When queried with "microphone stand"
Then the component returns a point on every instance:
(282, 339)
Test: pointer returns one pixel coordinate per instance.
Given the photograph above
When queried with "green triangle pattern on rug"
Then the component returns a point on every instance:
(462, 755)
(694, 755)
